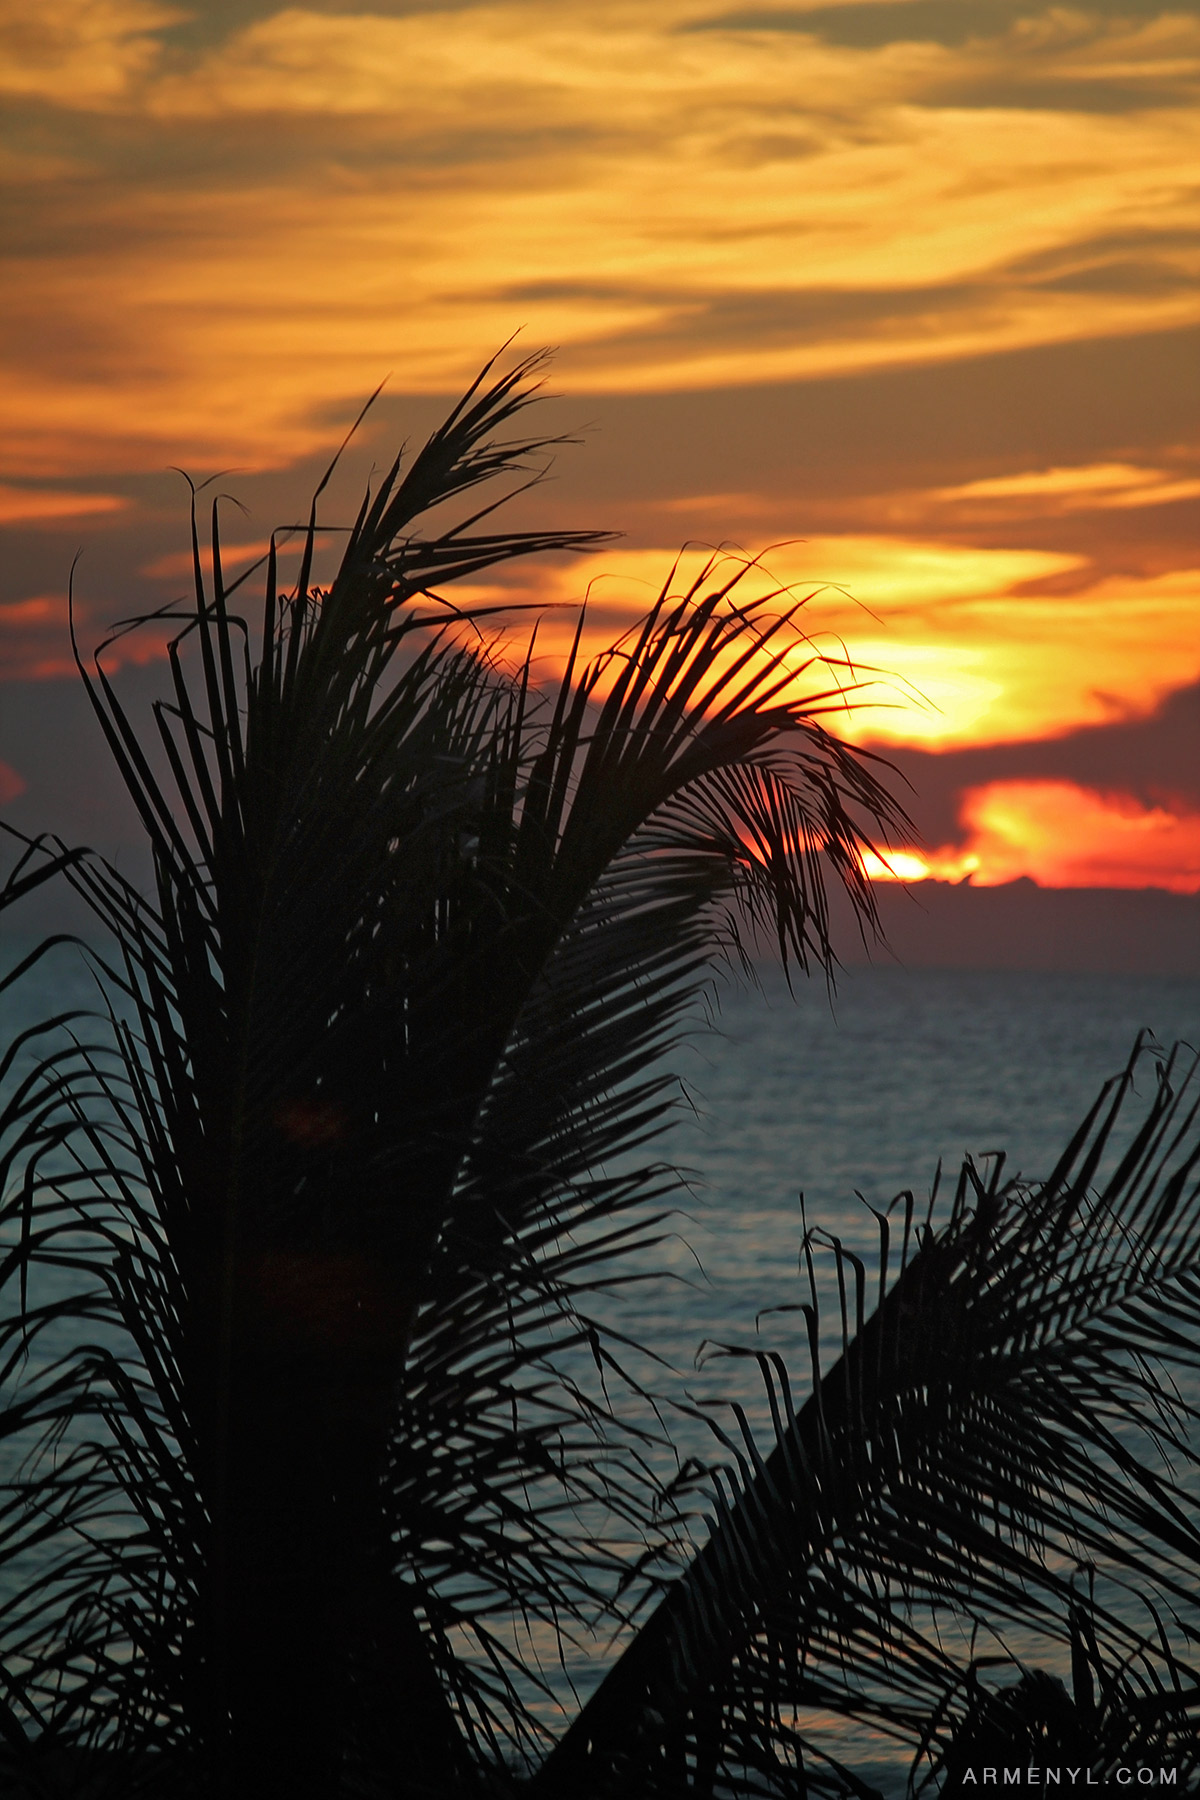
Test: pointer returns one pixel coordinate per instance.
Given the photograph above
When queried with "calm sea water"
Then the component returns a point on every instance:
(851, 1105)
(857, 1100)
(843, 1104)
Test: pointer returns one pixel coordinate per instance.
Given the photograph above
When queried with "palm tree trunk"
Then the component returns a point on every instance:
(320, 1650)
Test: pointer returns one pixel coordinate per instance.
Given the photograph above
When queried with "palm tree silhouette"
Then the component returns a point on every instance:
(298, 1229)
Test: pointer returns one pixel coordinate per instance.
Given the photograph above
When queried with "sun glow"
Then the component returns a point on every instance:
(915, 643)
(1067, 836)
(913, 866)
(1060, 835)
(226, 229)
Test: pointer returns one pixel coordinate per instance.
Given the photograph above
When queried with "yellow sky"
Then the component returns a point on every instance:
(936, 644)
(231, 221)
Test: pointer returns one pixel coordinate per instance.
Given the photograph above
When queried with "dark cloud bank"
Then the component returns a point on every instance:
(48, 733)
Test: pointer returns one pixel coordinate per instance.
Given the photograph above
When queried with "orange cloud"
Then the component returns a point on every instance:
(19, 505)
(1002, 668)
(79, 53)
(35, 641)
(1061, 835)
(235, 558)
(11, 784)
(676, 200)
(1092, 484)
(914, 642)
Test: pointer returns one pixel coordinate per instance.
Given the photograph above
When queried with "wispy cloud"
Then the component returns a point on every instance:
(674, 206)
(226, 223)
(26, 505)
(35, 639)
(1114, 484)
(82, 54)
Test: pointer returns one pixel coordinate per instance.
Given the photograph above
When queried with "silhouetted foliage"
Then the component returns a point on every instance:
(303, 1227)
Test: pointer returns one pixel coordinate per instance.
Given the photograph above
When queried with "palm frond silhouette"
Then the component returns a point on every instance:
(299, 1227)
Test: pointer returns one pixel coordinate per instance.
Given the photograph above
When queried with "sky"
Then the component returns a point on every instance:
(896, 299)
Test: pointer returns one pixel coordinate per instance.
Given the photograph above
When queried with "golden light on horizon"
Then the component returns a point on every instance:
(1061, 835)
(227, 227)
(897, 865)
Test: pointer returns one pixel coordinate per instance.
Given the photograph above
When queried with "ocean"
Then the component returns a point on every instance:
(846, 1101)
(851, 1100)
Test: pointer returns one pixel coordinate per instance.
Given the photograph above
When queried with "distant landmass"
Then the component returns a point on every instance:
(943, 925)
(927, 925)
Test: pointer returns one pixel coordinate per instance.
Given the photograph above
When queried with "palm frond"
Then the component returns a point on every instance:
(1012, 1410)
(1106, 1718)
(314, 1201)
